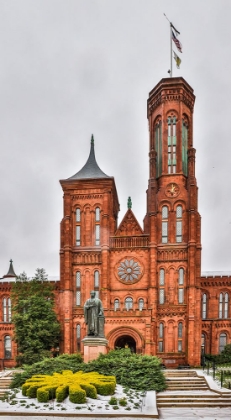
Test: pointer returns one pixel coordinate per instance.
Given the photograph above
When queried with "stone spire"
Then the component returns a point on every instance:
(90, 169)
(11, 272)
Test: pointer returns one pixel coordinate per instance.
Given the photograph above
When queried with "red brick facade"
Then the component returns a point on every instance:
(149, 279)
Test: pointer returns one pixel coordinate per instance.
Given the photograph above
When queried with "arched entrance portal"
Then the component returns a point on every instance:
(126, 341)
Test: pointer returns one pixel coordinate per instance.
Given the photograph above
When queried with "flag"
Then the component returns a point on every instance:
(177, 42)
(176, 31)
(178, 60)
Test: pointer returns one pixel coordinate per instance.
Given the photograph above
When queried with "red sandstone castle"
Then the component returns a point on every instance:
(148, 278)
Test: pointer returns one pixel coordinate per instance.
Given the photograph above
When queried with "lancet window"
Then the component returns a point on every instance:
(172, 145)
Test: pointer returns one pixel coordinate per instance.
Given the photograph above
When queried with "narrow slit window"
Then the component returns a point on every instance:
(116, 304)
(78, 288)
(97, 234)
(97, 214)
(179, 224)
(172, 160)
(141, 304)
(164, 224)
(158, 147)
(204, 306)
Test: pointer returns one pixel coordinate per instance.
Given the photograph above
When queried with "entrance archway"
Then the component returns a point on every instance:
(126, 341)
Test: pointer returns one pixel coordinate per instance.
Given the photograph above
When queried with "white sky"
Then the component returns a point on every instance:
(70, 68)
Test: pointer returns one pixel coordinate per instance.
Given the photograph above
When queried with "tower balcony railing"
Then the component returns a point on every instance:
(129, 241)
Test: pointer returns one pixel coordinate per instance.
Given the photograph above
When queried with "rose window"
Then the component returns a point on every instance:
(129, 270)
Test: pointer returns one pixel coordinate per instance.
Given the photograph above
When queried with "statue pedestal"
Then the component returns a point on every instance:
(93, 346)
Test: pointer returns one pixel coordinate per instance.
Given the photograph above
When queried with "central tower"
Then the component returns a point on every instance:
(173, 222)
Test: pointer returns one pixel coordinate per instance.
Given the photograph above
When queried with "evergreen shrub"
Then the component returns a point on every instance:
(77, 395)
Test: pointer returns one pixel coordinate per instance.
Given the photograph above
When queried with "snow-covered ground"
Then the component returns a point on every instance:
(136, 402)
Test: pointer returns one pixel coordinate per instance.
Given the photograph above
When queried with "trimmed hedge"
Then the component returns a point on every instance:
(77, 395)
(61, 393)
(78, 386)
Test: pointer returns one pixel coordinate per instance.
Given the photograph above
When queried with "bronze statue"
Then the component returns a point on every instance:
(94, 317)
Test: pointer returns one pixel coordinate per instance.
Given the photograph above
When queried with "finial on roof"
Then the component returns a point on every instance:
(129, 203)
(11, 272)
(92, 139)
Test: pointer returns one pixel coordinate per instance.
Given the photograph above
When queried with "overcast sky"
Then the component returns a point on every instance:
(70, 68)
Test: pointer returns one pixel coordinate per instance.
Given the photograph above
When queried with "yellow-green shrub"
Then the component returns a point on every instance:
(79, 385)
(43, 394)
(90, 389)
(61, 393)
(77, 395)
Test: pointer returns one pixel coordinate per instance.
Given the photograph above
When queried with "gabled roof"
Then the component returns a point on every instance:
(129, 226)
(11, 272)
(91, 168)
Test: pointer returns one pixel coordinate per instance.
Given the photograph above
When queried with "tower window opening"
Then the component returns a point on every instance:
(180, 295)
(97, 226)
(179, 224)
(97, 234)
(116, 304)
(161, 337)
(180, 336)
(185, 148)
(78, 226)
(158, 147)
(172, 145)
(161, 285)
(96, 283)
(204, 306)
(78, 337)
(78, 288)
(141, 304)
(164, 225)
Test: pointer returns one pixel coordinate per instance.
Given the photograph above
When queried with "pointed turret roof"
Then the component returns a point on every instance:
(91, 168)
(11, 272)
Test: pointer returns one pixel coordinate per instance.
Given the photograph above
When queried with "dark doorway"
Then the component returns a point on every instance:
(126, 341)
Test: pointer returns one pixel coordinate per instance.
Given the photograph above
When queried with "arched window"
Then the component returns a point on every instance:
(141, 304)
(161, 286)
(172, 145)
(128, 303)
(161, 337)
(185, 147)
(78, 288)
(7, 347)
(180, 286)
(116, 304)
(78, 337)
(96, 283)
(203, 343)
(226, 306)
(179, 224)
(223, 305)
(222, 342)
(204, 306)
(97, 226)
(6, 309)
(180, 336)
(158, 147)
(78, 227)
(164, 225)
(97, 214)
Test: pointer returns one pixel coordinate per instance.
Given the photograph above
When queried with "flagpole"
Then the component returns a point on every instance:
(170, 25)
(170, 49)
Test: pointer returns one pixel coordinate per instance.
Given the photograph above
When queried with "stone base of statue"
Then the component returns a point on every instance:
(93, 346)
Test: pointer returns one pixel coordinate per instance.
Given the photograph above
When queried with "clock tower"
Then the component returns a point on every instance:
(173, 222)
